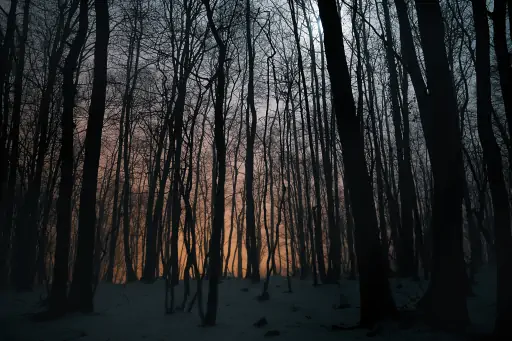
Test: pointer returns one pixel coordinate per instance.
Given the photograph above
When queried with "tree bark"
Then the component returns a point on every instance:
(503, 56)
(81, 294)
(28, 222)
(492, 160)
(215, 262)
(406, 260)
(5, 67)
(446, 297)
(58, 295)
(249, 159)
(375, 294)
(7, 207)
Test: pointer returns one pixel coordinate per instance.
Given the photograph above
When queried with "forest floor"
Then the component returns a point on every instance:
(136, 312)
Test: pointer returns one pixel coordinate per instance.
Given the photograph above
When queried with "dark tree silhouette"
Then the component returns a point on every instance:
(252, 249)
(58, 296)
(376, 300)
(215, 263)
(445, 301)
(493, 163)
(122, 175)
(81, 293)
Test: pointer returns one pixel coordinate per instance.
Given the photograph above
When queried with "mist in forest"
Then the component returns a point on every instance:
(256, 160)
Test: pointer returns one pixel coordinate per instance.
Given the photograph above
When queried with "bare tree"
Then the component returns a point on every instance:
(376, 300)
(81, 293)
(493, 163)
(58, 297)
(215, 262)
(445, 301)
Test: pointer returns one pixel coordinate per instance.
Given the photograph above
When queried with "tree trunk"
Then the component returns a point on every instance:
(378, 156)
(375, 294)
(215, 262)
(130, 273)
(407, 266)
(446, 297)
(58, 296)
(81, 294)
(234, 196)
(14, 135)
(492, 160)
(249, 159)
(312, 149)
(350, 232)
(334, 268)
(503, 56)
(28, 223)
(5, 67)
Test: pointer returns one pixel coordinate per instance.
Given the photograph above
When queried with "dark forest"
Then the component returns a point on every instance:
(286, 169)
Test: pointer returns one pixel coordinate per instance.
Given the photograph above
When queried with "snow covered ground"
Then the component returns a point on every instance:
(136, 312)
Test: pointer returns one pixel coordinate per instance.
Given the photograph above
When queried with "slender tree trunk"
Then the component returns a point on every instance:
(407, 266)
(314, 156)
(267, 151)
(215, 262)
(410, 186)
(273, 234)
(234, 196)
(81, 294)
(378, 158)
(350, 232)
(239, 238)
(151, 258)
(290, 224)
(334, 268)
(249, 159)
(115, 206)
(28, 222)
(473, 235)
(58, 296)
(130, 273)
